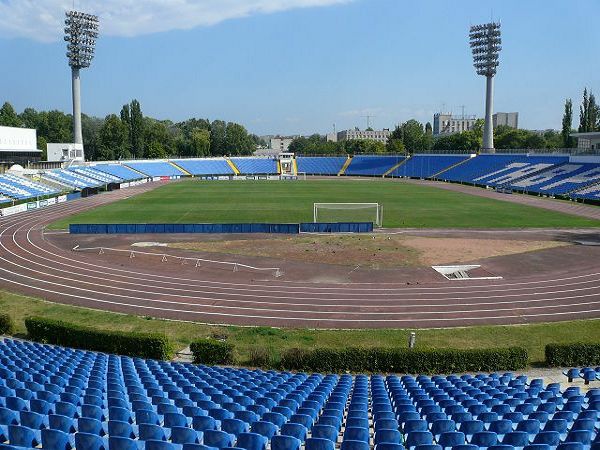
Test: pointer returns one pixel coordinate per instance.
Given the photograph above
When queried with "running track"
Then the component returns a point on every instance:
(31, 264)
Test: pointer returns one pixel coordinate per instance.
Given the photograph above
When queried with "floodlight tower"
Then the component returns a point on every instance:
(485, 43)
(81, 32)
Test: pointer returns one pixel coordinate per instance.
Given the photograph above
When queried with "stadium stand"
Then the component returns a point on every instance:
(426, 166)
(560, 179)
(34, 187)
(499, 169)
(372, 165)
(156, 168)
(20, 188)
(255, 166)
(320, 165)
(199, 167)
(119, 170)
(63, 398)
(589, 193)
(71, 179)
(96, 174)
(5, 199)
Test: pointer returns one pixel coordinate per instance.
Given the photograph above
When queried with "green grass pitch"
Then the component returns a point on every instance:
(404, 205)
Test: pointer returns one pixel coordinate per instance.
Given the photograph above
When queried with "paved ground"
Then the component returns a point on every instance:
(549, 285)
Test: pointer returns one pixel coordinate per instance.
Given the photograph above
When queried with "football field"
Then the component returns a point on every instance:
(404, 205)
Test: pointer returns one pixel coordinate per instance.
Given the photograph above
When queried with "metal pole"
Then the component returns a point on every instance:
(488, 129)
(76, 86)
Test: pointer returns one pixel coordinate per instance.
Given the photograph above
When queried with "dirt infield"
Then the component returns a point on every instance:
(544, 285)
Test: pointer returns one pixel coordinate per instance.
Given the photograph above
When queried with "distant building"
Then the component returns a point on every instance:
(65, 152)
(370, 135)
(449, 124)
(280, 143)
(587, 141)
(507, 119)
(18, 145)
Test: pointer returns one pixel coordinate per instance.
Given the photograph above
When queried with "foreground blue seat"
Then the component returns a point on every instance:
(267, 429)
(418, 438)
(251, 441)
(122, 443)
(281, 442)
(388, 436)
(184, 435)
(23, 436)
(570, 446)
(451, 439)
(350, 444)
(57, 440)
(325, 431)
(389, 446)
(87, 441)
(152, 444)
(218, 439)
(319, 444)
(296, 430)
(484, 438)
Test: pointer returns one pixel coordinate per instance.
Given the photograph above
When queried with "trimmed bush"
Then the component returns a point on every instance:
(404, 360)
(7, 326)
(211, 351)
(143, 345)
(572, 355)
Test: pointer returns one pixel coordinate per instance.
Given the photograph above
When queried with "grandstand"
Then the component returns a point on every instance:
(20, 188)
(560, 179)
(364, 165)
(427, 166)
(155, 168)
(204, 167)
(320, 165)
(256, 166)
(62, 398)
(119, 170)
(71, 179)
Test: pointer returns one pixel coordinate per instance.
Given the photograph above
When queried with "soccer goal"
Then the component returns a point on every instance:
(348, 212)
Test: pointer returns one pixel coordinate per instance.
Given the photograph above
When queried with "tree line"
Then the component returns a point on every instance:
(130, 134)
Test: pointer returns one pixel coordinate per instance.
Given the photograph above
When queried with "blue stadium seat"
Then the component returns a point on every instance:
(57, 440)
(319, 444)
(251, 441)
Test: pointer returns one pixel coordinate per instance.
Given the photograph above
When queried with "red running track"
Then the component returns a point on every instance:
(33, 265)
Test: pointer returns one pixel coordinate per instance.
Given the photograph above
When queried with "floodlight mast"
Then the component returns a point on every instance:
(81, 32)
(485, 43)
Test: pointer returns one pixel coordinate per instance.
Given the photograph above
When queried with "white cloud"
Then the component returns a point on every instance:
(42, 20)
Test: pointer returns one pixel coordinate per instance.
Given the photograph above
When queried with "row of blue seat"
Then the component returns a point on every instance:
(64, 398)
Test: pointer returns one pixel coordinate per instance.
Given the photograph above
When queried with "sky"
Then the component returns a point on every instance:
(301, 66)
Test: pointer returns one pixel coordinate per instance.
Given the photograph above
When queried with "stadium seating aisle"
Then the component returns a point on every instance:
(71, 179)
(63, 398)
(252, 166)
(561, 179)
(320, 165)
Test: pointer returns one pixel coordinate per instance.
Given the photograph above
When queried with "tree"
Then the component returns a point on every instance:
(218, 134)
(428, 129)
(200, 142)
(157, 131)
(59, 127)
(414, 137)
(589, 113)
(465, 141)
(8, 116)
(113, 139)
(567, 122)
(155, 150)
(126, 120)
(237, 140)
(136, 129)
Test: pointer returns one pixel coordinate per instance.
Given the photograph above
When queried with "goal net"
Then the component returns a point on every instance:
(348, 212)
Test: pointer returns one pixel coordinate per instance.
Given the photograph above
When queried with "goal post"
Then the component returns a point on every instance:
(348, 212)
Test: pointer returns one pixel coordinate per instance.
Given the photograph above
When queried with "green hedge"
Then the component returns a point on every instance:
(7, 326)
(576, 354)
(404, 360)
(143, 345)
(211, 351)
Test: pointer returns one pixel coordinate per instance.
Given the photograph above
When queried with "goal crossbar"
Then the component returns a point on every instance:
(376, 216)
